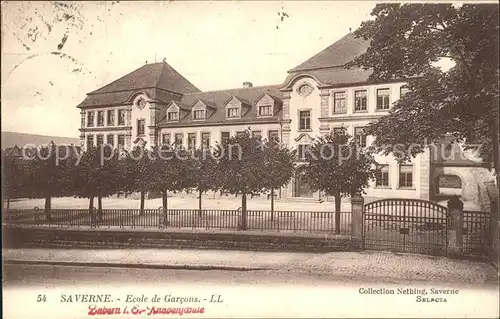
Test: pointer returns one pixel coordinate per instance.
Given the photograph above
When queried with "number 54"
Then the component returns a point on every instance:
(41, 298)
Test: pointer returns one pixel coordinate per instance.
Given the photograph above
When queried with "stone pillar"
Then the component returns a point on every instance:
(82, 141)
(82, 117)
(154, 111)
(325, 111)
(455, 227)
(285, 122)
(357, 206)
(128, 116)
(425, 175)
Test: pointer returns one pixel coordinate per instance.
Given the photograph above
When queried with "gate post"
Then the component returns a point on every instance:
(357, 206)
(455, 227)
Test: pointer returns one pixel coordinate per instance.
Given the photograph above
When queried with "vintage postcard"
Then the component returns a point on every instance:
(250, 159)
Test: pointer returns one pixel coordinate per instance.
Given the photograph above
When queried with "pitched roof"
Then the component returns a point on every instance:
(155, 75)
(218, 99)
(337, 54)
(335, 76)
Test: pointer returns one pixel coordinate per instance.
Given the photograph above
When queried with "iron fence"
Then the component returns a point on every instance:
(476, 233)
(295, 221)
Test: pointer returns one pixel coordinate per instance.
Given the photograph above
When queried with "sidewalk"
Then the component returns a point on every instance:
(376, 266)
(158, 258)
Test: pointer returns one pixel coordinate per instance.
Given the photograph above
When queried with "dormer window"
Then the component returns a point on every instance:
(173, 116)
(266, 110)
(199, 114)
(233, 112)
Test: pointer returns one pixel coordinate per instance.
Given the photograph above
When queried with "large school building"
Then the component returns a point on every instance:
(156, 105)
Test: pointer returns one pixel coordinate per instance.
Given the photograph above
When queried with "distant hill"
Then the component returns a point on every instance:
(10, 139)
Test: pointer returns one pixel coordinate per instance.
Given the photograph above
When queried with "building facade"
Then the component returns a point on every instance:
(155, 105)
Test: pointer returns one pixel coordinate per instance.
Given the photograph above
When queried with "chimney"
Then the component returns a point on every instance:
(247, 84)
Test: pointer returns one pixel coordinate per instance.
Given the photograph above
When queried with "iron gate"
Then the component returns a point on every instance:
(405, 225)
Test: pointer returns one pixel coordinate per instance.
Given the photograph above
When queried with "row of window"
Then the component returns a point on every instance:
(178, 138)
(100, 118)
(361, 100)
(110, 140)
(405, 176)
(359, 135)
(231, 113)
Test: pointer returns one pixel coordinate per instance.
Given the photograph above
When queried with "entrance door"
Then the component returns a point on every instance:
(405, 225)
(302, 188)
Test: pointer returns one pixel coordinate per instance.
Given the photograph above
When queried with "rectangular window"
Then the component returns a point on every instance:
(178, 139)
(90, 119)
(83, 121)
(304, 120)
(173, 116)
(339, 102)
(403, 90)
(360, 101)
(111, 117)
(100, 118)
(359, 136)
(406, 176)
(383, 99)
(225, 136)
(265, 110)
(192, 141)
(100, 139)
(121, 140)
(199, 115)
(302, 150)
(121, 117)
(165, 139)
(273, 135)
(382, 176)
(141, 123)
(233, 112)
(110, 140)
(205, 139)
(257, 134)
(90, 141)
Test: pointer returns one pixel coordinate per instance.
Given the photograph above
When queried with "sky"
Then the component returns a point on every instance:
(215, 45)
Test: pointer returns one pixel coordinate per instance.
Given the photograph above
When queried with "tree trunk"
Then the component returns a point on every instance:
(243, 211)
(272, 203)
(143, 195)
(164, 197)
(91, 211)
(47, 209)
(99, 208)
(337, 213)
(199, 203)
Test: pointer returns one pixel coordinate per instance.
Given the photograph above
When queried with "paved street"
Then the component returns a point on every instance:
(57, 276)
(366, 265)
